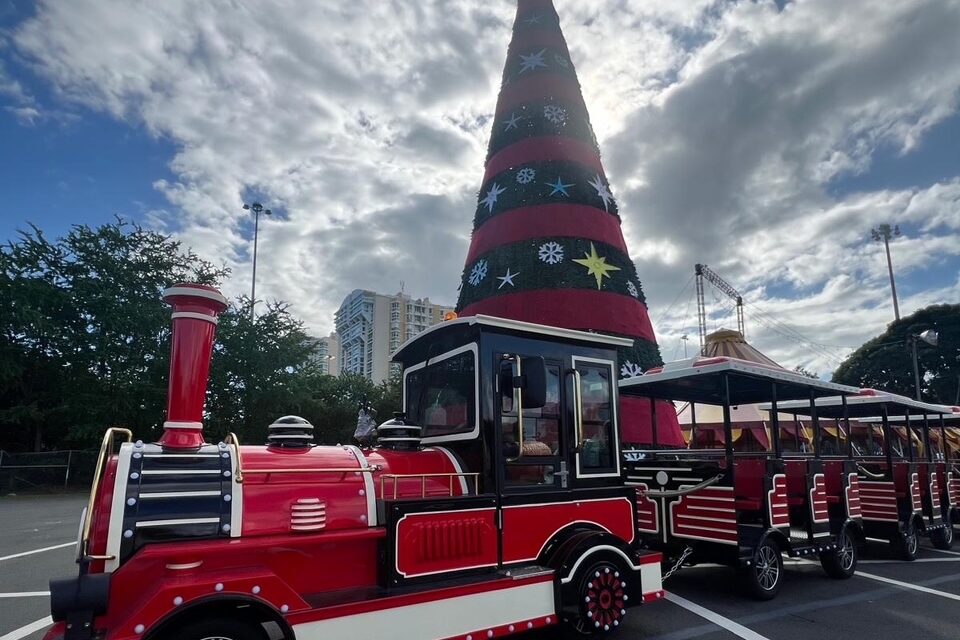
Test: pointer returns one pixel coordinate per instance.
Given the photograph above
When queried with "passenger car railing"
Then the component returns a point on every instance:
(673, 493)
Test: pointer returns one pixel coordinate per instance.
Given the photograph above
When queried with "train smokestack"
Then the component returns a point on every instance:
(196, 309)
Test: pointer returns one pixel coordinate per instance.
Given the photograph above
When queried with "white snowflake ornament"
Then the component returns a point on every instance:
(526, 175)
(555, 114)
(478, 273)
(560, 60)
(551, 253)
(630, 370)
(632, 289)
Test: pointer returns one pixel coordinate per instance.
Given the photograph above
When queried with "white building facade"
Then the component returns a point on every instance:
(372, 326)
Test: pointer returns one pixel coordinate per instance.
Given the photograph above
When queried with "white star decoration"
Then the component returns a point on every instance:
(551, 252)
(512, 122)
(492, 195)
(507, 279)
(559, 187)
(603, 192)
(630, 370)
(478, 273)
(534, 19)
(632, 289)
(532, 61)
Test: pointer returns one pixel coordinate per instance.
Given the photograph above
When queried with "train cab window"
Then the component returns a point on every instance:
(442, 398)
(535, 461)
(597, 437)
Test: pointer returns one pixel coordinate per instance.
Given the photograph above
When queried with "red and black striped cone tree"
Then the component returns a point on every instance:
(547, 246)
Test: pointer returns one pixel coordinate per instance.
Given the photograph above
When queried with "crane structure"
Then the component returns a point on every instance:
(702, 273)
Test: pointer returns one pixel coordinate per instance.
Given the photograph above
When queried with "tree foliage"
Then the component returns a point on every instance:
(85, 340)
(886, 361)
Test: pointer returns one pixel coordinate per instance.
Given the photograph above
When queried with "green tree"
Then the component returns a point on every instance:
(886, 361)
(258, 372)
(85, 345)
(84, 335)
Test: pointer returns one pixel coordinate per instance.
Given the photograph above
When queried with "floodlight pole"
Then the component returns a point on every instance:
(885, 232)
(257, 209)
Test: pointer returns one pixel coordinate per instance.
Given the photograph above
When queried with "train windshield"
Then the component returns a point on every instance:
(442, 398)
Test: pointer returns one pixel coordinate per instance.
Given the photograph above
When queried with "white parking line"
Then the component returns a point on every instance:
(33, 627)
(952, 553)
(735, 628)
(905, 585)
(859, 562)
(25, 594)
(30, 553)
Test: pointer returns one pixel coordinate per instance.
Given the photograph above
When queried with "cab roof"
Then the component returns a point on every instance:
(465, 329)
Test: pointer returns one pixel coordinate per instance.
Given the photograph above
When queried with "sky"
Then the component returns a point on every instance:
(764, 139)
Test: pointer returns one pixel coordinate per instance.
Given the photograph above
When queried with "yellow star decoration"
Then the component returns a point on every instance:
(596, 265)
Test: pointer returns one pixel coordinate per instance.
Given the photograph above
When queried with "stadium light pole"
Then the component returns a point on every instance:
(257, 209)
(885, 232)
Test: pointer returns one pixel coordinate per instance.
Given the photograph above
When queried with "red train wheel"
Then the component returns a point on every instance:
(601, 592)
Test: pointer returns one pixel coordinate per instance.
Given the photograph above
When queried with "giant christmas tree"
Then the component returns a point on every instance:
(547, 245)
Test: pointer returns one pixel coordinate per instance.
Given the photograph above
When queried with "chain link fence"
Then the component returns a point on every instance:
(46, 471)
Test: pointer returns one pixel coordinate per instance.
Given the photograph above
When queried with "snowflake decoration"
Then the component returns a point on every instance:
(563, 62)
(555, 114)
(630, 370)
(526, 175)
(478, 273)
(632, 289)
(551, 252)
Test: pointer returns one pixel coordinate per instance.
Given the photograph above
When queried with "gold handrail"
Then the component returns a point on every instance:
(234, 441)
(252, 472)
(106, 450)
(423, 481)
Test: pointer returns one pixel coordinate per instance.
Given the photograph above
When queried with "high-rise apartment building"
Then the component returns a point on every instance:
(372, 326)
(326, 353)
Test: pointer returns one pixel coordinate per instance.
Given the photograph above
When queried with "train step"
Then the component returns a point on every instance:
(347, 596)
(801, 547)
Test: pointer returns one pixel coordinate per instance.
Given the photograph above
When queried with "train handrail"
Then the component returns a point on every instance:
(263, 472)
(674, 493)
(233, 441)
(396, 477)
(106, 450)
(870, 474)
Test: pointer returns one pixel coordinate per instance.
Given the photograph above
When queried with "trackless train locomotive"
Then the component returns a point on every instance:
(493, 505)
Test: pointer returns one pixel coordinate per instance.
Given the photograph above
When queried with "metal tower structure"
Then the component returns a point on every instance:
(704, 273)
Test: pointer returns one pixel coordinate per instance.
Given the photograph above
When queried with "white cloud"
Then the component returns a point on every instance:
(365, 124)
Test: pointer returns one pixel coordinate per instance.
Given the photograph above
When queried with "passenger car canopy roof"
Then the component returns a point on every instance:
(868, 403)
(701, 380)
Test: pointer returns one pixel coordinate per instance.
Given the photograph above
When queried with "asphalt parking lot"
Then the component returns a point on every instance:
(887, 599)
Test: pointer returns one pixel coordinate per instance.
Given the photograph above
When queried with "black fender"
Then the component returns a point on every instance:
(582, 545)
(230, 605)
(774, 535)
